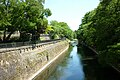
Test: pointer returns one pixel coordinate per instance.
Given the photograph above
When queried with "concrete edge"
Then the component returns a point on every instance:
(46, 65)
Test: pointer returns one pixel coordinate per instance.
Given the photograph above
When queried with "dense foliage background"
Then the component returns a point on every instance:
(100, 29)
(61, 30)
(29, 18)
(25, 16)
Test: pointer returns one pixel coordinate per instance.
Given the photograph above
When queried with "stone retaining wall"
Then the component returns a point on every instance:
(16, 65)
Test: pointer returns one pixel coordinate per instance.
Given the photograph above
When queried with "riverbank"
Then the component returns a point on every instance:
(96, 55)
(93, 69)
(48, 64)
(15, 65)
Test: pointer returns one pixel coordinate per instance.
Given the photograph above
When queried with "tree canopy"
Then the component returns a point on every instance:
(100, 29)
(25, 16)
(61, 30)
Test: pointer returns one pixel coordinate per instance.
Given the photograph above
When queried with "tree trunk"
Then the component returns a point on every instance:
(8, 37)
(4, 35)
(5, 39)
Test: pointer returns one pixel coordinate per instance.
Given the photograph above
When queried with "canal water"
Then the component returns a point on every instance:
(71, 66)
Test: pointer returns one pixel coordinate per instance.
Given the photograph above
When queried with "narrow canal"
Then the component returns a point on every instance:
(72, 66)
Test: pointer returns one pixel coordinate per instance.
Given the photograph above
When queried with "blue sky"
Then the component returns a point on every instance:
(70, 11)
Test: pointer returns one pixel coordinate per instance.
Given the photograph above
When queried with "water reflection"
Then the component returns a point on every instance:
(93, 70)
(70, 68)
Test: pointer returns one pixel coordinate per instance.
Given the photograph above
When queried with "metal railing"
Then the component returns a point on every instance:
(21, 45)
(18, 44)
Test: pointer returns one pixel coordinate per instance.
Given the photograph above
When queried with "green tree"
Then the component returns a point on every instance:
(25, 16)
(101, 28)
(61, 29)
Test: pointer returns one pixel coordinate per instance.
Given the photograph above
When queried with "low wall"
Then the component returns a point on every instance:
(16, 65)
